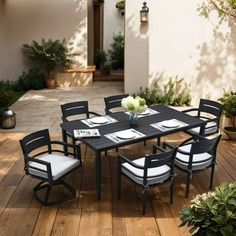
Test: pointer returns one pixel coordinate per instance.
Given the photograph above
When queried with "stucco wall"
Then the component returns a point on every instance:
(26, 20)
(113, 22)
(177, 41)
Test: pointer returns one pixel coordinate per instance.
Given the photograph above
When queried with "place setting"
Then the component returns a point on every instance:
(124, 135)
(98, 121)
(168, 124)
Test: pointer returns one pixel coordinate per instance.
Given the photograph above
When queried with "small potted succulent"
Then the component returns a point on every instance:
(49, 55)
(229, 102)
(212, 213)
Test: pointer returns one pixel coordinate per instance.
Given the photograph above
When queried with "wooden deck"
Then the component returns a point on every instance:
(20, 214)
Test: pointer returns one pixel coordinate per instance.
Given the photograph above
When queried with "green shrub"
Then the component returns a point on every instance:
(33, 79)
(100, 58)
(172, 93)
(106, 69)
(116, 53)
(49, 55)
(120, 4)
(6, 98)
(213, 213)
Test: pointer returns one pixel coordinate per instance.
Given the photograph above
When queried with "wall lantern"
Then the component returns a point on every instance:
(144, 13)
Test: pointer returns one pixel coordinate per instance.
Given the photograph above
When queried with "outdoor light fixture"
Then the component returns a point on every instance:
(144, 13)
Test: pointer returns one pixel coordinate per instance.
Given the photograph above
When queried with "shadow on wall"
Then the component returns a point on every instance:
(78, 41)
(136, 54)
(217, 65)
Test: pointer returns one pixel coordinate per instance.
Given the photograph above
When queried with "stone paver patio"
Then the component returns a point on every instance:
(39, 109)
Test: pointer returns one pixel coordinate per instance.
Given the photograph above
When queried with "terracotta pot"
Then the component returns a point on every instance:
(231, 132)
(51, 83)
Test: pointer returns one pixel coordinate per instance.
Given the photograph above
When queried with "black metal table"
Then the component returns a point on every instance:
(144, 126)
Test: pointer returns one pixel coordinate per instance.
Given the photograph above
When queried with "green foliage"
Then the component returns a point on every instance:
(120, 4)
(33, 79)
(100, 58)
(212, 213)
(229, 102)
(225, 8)
(171, 95)
(116, 53)
(8, 93)
(49, 55)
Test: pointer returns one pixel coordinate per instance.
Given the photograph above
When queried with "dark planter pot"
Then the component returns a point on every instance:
(231, 132)
(8, 119)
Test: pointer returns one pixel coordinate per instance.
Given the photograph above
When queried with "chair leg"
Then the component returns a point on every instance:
(119, 178)
(158, 141)
(187, 184)
(212, 176)
(145, 143)
(143, 200)
(171, 190)
(154, 149)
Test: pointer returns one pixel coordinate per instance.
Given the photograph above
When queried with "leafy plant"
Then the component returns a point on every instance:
(33, 79)
(116, 53)
(225, 8)
(229, 102)
(172, 93)
(213, 213)
(106, 69)
(49, 55)
(100, 58)
(6, 98)
(120, 4)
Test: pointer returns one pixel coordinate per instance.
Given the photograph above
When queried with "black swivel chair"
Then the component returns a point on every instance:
(49, 165)
(112, 102)
(149, 171)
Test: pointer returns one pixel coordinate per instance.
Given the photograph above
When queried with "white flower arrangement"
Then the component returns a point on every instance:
(135, 105)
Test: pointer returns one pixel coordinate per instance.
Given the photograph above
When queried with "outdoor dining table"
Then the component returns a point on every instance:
(146, 129)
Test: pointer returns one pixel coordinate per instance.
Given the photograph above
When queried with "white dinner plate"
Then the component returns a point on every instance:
(147, 112)
(170, 124)
(99, 120)
(126, 134)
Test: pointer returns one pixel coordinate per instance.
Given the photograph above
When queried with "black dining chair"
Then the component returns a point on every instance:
(211, 112)
(196, 155)
(112, 102)
(149, 171)
(76, 110)
(45, 163)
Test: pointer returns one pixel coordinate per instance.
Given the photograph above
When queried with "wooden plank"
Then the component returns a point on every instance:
(18, 221)
(6, 193)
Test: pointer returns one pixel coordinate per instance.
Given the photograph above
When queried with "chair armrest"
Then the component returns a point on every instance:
(65, 144)
(64, 119)
(47, 164)
(125, 159)
(190, 110)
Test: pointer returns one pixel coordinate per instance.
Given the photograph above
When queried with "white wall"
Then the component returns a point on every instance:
(177, 41)
(113, 22)
(22, 21)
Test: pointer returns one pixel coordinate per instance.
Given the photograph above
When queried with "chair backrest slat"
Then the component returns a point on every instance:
(75, 108)
(211, 107)
(35, 140)
(113, 102)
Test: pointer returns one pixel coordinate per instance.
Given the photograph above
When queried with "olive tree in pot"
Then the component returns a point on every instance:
(49, 55)
(229, 102)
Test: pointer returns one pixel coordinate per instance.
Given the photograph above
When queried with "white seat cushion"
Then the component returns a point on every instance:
(211, 128)
(204, 158)
(154, 176)
(60, 165)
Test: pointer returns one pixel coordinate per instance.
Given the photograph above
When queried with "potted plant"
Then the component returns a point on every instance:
(49, 55)
(212, 213)
(229, 102)
(121, 6)
(7, 116)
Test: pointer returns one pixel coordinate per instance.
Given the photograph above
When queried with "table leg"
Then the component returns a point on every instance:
(98, 175)
(64, 139)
